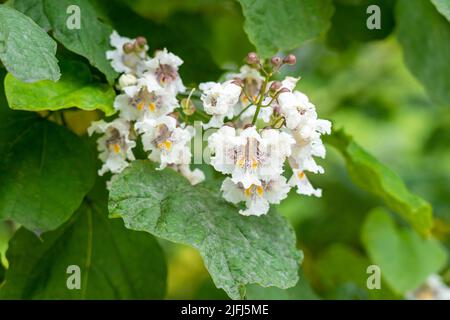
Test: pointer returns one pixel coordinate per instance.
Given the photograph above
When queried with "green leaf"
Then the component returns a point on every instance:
(237, 250)
(45, 170)
(115, 263)
(25, 49)
(76, 88)
(35, 10)
(405, 259)
(424, 35)
(443, 6)
(374, 177)
(284, 25)
(348, 24)
(91, 40)
(301, 291)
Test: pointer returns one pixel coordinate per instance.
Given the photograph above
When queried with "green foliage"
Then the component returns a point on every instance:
(424, 34)
(237, 250)
(76, 88)
(25, 49)
(284, 25)
(35, 10)
(405, 259)
(115, 263)
(45, 171)
(443, 6)
(369, 174)
(348, 24)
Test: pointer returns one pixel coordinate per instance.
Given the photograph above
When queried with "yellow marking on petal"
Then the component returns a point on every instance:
(254, 164)
(259, 190)
(248, 191)
(244, 99)
(140, 106)
(165, 145)
(116, 148)
(152, 106)
(241, 162)
(300, 175)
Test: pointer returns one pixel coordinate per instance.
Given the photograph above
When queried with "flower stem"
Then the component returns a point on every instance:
(261, 98)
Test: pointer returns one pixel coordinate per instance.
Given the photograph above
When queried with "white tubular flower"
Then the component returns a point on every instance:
(122, 62)
(433, 289)
(249, 157)
(114, 146)
(303, 185)
(218, 100)
(257, 197)
(252, 81)
(146, 99)
(169, 144)
(164, 66)
(194, 176)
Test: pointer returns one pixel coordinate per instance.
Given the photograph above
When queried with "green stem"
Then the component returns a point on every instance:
(240, 113)
(261, 98)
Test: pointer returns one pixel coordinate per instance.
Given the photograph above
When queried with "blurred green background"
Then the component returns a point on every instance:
(358, 79)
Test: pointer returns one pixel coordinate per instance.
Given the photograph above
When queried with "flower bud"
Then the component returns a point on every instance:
(290, 59)
(126, 80)
(187, 106)
(140, 43)
(252, 58)
(128, 47)
(276, 61)
(275, 86)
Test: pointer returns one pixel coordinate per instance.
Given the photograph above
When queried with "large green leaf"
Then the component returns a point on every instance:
(76, 88)
(237, 250)
(45, 170)
(371, 175)
(115, 263)
(91, 40)
(25, 49)
(443, 7)
(35, 10)
(424, 35)
(405, 259)
(284, 25)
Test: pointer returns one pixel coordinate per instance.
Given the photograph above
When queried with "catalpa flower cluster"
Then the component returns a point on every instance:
(260, 125)
(146, 105)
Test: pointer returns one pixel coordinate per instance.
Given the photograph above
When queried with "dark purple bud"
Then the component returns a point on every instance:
(252, 58)
(276, 61)
(290, 59)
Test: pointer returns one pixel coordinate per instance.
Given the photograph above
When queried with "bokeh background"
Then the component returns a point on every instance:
(358, 79)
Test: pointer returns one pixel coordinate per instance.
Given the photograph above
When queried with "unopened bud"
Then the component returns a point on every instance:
(140, 43)
(276, 61)
(275, 86)
(187, 106)
(128, 47)
(290, 59)
(126, 80)
(252, 58)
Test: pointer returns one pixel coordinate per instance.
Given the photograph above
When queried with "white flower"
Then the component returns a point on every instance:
(125, 62)
(164, 66)
(249, 157)
(145, 99)
(194, 176)
(115, 145)
(257, 197)
(296, 109)
(433, 289)
(218, 100)
(169, 144)
(303, 185)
